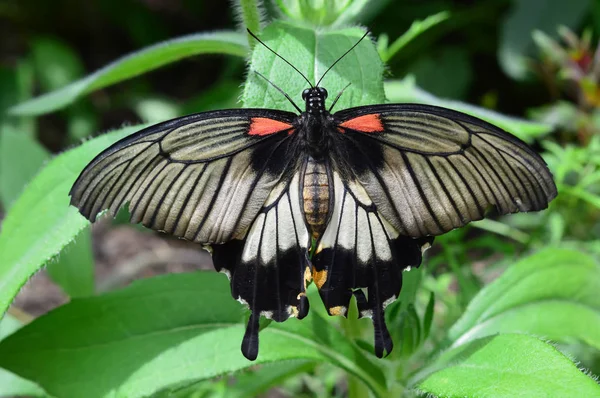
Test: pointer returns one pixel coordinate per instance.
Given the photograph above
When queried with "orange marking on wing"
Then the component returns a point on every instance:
(367, 123)
(265, 126)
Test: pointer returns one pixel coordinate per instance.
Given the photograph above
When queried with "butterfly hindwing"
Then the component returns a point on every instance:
(202, 177)
(360, 249)
(430, 170)
(269, 268)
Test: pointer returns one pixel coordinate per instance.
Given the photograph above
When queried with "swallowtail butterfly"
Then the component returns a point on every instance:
(348, 199)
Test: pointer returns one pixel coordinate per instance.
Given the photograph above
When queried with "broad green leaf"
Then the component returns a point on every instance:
(73, 269)
(135, 64)
(509, 365)
(526, 16)
(12, 385)
(405, 90)
(21, 157)
(553, 293)
(252, 384)
(8, 325)
(312, 52)
(162, 332)
(41, 222)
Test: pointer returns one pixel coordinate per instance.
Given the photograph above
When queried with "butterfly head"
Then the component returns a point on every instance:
(314, 98)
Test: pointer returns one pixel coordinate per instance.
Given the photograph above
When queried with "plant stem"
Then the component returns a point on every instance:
(250, 14)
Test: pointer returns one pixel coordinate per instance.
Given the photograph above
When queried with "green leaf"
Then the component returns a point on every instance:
(21, 157)
(252, 384)
(527, 16)
(510, 365)
(553, 294)
(11, 384)
(428, 317)
(416, 29)
(74, 269)
(41, 222)
(401, 317)
(405, 90)
(312, 52)
(135, 64)
(162, 332)
(8, 325)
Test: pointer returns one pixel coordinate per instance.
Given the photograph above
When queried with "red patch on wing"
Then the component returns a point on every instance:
(367, 123)
(265, 126)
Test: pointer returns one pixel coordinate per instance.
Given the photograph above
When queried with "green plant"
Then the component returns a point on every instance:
(175, 335)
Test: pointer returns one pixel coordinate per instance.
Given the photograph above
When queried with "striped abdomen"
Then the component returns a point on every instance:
(316, 196)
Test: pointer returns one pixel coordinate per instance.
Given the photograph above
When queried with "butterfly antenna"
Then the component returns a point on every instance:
(280, 90)
(343, 55)
(338, 97)
(284, 60)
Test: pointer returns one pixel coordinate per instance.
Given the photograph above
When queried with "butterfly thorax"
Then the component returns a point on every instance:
(314, 99)
(315, 123)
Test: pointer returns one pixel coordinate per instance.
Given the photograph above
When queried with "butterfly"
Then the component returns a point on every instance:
(348, 200)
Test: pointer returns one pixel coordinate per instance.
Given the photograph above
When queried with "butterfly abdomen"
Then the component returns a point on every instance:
(316, 196)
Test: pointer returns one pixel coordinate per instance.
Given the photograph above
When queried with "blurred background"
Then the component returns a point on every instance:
(484, 54)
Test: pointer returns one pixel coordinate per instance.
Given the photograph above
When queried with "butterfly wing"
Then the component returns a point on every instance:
(430, 170)
(226, 178)
(360, 249)
(202, 177)
(269, 269)
(403, 174)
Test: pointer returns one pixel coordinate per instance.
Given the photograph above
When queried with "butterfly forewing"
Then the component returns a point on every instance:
(203, 177)
(430, 170)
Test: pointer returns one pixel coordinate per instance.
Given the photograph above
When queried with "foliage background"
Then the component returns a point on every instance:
(492, 54)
